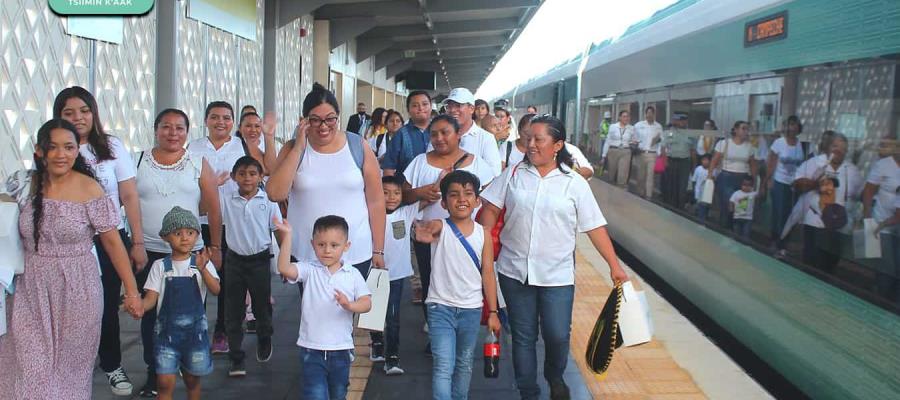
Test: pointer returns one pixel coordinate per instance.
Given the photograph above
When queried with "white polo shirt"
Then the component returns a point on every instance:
(482, 144)
(324, 324)
(248, 223)
(850, 184)
(646, 132)
(221, 160)
(543, 216)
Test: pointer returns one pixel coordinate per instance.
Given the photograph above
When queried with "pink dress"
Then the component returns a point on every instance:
(54, 316)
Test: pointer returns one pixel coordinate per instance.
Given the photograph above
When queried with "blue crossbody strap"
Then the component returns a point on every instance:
(465, 243)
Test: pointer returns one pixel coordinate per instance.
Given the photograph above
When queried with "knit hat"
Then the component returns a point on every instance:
(176, 219)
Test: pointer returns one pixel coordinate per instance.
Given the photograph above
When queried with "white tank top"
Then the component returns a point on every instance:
(162, 187)
(329, 184)
(455, 281)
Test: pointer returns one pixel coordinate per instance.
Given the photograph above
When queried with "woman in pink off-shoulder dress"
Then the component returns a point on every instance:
(54, 315)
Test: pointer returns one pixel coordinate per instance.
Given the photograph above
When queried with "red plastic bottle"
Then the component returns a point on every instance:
(491, 356)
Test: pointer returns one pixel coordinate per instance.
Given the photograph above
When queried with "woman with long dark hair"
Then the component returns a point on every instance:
(785, 157)
(54, 326)
(543, 195)
(482, 109)
(114, 168)
(393, 123)
(378, 127)
(736, 157)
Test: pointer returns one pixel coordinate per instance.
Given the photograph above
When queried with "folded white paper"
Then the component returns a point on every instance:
(379, 283)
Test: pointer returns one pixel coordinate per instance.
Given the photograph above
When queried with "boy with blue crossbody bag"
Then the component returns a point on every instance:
(462, 269)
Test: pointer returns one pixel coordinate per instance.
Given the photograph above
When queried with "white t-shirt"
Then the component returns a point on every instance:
(543, 215)
(646, 132)
(789, 158)
(110, 172)
(886, 174)
(580, 160)
(396, 241)
(515, 155)
(156, 277)
(455, 281)
(419, 173)
(738, 158)
(221, 160)
(699, 177)
(379, 151)
(743, 204)
(479, 142)
(324, 324)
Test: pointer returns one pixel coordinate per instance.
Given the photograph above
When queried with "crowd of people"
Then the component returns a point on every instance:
(820, 189)
(182, 220)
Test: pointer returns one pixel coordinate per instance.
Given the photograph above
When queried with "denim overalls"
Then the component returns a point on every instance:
(182, 339)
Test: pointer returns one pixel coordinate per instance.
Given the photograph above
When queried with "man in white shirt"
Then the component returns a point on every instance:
(221, 150)
(461, 105)
(649, 134)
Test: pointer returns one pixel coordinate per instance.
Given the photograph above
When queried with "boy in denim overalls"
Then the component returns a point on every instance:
(176, 287)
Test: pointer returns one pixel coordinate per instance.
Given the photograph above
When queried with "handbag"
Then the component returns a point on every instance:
(501, 218)
(485, 312)
(605, 338)
(14, 193)
(660, 165)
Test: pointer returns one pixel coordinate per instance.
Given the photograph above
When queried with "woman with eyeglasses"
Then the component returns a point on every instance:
(323, 172)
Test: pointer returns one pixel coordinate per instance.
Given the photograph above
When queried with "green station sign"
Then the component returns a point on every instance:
(101, 7)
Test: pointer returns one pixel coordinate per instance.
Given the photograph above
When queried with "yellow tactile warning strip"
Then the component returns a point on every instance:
(641, 372)
(359, 370)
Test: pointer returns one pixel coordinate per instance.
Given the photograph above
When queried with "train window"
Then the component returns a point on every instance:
(763, 111)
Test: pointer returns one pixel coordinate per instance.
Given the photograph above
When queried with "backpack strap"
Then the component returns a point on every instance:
(465, 243)
(357, 150)
(509, 145)
(140, 158)
(378, 141)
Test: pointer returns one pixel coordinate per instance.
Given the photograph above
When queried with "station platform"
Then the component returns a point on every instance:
(680, 363)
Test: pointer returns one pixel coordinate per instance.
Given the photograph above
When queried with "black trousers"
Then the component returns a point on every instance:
(247, 273)
(148, 322)
(110, 350)
(821, 248)
(220, 299)
(675, 180)
(423, 260)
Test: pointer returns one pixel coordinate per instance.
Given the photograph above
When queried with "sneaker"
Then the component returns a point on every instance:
(392, 366)
(237, 369)
(119, 382)
(149, 388)
(425, 328)
(376, 352)
(264, 350)
(781, 254)
(559, 391)
(251, 326)
(219, 344)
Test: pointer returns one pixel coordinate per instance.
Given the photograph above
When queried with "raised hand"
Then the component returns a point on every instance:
(269, 124)
(222, 177)
(283, 230)
(202, 259)
(342, 300)
(424, 231)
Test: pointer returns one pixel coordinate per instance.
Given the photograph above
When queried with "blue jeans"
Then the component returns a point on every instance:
(551, 307)
(782, 204)
(454, 333)
(702, 211)
(726, 184)
(326, 374)
(742, 227)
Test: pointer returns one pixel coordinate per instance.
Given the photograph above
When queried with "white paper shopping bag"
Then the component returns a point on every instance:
(10, 242)
(380, 285)
(865, 243)
(709, 187)
(634, 317)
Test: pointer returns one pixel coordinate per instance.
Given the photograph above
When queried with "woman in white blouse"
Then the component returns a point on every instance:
(784, 157)
(736, 157)
(547, 204)
(423, 178)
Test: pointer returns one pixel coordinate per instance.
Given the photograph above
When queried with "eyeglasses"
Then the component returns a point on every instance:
(316, 121)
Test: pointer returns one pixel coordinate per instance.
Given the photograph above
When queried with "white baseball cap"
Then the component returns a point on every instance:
(461, 96)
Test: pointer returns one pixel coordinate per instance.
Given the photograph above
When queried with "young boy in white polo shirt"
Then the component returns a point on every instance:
(332, 292)
(462, 268)
(249, 218)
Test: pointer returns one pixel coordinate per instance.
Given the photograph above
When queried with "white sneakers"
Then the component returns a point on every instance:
(119, 382)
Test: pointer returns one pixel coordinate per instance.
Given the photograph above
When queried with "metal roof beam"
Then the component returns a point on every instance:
(288, 11)
(367, 9)
(436, 6)
(481, 25)
(467, 53)
(343, 30)
(398, 67)
(368, 47)
(398, 31)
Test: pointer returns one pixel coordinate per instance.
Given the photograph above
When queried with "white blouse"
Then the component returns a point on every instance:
(420, 173)
(543, 216)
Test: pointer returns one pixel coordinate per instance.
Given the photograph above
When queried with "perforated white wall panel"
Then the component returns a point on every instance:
(287, 71)
(37, 60)
(191, 70)
(221, 66)
(250, 85)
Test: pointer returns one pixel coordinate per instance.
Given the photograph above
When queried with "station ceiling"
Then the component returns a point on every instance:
(460, 40)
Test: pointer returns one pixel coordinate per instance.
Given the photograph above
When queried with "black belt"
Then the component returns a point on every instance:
(261, 256)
